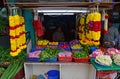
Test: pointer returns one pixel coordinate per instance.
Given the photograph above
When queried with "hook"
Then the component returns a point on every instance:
(97, 8)
(15, 11)
(94, 9)
(11, 12)
(21, 11)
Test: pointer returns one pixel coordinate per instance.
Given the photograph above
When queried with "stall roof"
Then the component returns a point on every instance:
(62, 4)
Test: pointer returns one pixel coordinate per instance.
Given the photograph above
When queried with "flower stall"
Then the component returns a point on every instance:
(48, 59)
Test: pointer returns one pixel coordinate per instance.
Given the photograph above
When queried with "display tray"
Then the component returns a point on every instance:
(103, 68)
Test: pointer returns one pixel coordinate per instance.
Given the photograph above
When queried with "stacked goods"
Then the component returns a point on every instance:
(104, 60)
(64, 46)
(53, 44)
(105, 57)
(34, 56)
(17, 34)
(65, 56)
(96, 53)
(74, 42)
(100, 51)
(75, 45)
(116, 59)
(80, 56)
(112, 51)
(49, 55)
(42, 43)
(90, 29)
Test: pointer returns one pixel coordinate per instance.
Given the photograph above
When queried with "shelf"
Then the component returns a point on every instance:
(62, 4)
(55, 63)
(35, 68)
(67, 68)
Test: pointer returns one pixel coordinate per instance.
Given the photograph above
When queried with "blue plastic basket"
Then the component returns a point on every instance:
(65, 49)
(35, 49)
(51, 59)
(33, 59)
(62, 43)
(53, 74)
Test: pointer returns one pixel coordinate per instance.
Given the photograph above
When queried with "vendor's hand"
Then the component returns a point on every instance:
(107, 43)
(112, 43)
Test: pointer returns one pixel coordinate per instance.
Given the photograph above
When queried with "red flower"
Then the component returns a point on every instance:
(105, 31)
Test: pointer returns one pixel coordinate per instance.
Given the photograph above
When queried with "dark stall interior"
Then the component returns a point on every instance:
(66, 22)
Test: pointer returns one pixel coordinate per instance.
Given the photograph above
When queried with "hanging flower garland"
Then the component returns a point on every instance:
(106, 24)
(93, 27)
(81, 28)
(90, 24)
(81, 31)
(12, 36)
(23, 33)
(17, 34)
(97, 28)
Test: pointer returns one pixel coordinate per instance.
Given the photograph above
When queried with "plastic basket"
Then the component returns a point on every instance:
(32, 59)
(52, 46)
(65, 59)
(75, 50)
(51, 59)
(35, 48)
(81, 60)
(65, 49)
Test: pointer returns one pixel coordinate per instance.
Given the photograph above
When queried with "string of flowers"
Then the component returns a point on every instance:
(92, 36)
(106, 24)
(97, 28)
(17, 34)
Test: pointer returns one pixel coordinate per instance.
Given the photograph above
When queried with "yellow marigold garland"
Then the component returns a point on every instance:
(17, 34)
(93, 22)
